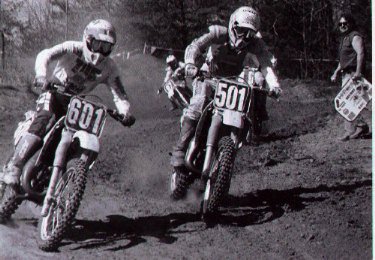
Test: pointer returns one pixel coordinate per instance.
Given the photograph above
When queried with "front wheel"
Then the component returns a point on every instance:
(61, 214)
(218, 184)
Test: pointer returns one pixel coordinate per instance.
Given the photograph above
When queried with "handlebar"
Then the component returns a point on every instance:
(115, 114)
(125, 120)
(202, 75)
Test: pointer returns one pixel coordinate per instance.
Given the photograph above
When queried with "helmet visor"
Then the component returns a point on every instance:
(102, 47)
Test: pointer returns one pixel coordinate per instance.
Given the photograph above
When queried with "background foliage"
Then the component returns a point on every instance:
(301, 33)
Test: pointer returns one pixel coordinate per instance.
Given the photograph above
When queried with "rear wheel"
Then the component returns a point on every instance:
(61, 214)
(8, 202)
(218, 184)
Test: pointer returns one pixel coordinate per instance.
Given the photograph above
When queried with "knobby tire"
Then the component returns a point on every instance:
(221, 178)
(8, 204)
(77, 178)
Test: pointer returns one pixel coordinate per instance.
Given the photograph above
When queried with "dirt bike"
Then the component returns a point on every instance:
(55, 176)
(177, 92)
(223, 127)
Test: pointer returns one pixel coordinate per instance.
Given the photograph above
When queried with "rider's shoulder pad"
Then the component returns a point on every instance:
(218, 31)
(69, 47)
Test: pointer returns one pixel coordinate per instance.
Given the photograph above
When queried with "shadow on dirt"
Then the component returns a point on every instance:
(97, 233)
(118, 232)
(266, 205)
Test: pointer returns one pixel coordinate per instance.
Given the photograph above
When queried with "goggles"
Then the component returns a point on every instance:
(244, 32)
(102, 47)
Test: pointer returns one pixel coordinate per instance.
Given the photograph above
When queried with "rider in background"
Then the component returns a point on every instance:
(81, 66)
(230, 50)
(174, 71)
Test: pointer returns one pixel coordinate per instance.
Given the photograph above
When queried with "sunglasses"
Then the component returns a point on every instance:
(343, 24)
(102, 47)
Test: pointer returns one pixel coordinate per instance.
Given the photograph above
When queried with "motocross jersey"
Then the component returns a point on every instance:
(223, 60)
(81, 77)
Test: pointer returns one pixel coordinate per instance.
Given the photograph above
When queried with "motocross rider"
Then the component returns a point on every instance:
(229, 51)
(174, 71)
(81, 66)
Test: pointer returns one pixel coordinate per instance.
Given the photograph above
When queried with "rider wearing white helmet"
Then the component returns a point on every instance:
(80, 66)
(229, 50)
(244, 24)
(99, 38)
(174, 71)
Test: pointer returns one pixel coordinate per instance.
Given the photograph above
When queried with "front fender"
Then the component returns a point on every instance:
(87, 141)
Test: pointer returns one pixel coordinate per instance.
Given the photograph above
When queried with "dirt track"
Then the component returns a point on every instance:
(299, 194)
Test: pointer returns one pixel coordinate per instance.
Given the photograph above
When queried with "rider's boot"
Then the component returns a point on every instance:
(186, 133)
(25, 148)
(360, 130)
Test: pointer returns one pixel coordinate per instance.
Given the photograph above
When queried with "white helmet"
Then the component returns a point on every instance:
(244, 24)
(99, 37)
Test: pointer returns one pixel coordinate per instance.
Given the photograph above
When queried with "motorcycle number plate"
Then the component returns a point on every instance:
(353, 98)
(233, 118)
(232, 96)
(85, 115)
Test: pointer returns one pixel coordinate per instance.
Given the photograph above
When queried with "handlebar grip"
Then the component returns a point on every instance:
(113, 113)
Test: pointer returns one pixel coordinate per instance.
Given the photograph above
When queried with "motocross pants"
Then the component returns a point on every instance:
(202, 91)
(50, 107)
(186, 133)
(24, 149)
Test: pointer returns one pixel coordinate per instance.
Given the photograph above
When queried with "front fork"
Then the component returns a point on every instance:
(58, 165)
(211, 144)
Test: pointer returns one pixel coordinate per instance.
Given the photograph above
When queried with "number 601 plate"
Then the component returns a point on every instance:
(85, 115)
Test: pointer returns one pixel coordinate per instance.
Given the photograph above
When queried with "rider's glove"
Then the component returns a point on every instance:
(191, 70)
(127, 120)
(275, 92)
(41, 82)
(356, 76)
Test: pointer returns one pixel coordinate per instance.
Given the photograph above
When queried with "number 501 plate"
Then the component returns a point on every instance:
(353, 98)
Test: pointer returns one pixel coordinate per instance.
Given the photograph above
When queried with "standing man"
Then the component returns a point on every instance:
(351, 65)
